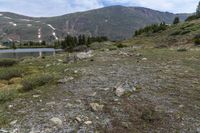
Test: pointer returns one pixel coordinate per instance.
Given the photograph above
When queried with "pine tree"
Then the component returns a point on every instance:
(176, 20)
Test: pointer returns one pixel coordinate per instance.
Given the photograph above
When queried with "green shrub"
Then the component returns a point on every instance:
(7, 95)
(175, 33)
(197, 40)
(7, 62)
(182, 50)
(35, 81)
(8, 73)
(185, 32)
(121, 45)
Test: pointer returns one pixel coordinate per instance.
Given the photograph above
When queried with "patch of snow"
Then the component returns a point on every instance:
(29, 25)
(1, 14)
(54, 34)
(39, 33)
(12, 23)
(27, 20)
(7, 17)
(37, 21)
(106, 20)
(51, 27)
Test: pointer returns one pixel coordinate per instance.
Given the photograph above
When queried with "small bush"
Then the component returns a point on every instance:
(121, 45)
(8, 73)
(7, 62)
(182, 50)
(197, 40)
(35, 81)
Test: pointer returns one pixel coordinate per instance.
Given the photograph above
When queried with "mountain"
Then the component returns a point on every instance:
(115, 22)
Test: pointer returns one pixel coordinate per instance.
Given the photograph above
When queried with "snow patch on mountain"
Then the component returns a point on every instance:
(53, 32)
(7, 17)
(29, 25)
(12, 23)
(51, 27)
(39, 35)
(27, 20)
(1, 14)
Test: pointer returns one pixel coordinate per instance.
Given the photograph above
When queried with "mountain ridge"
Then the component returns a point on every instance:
(115, 22)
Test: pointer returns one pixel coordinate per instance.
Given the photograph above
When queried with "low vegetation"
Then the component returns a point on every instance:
(34, 81)
(197, 39)
(7, 62)
(9, 73)
(154, 28)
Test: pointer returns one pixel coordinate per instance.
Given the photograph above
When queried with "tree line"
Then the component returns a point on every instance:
(73, 41)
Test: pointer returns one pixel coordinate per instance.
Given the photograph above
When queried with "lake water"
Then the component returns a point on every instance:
(30, 52)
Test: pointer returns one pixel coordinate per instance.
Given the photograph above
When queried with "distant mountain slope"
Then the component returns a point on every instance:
(115, 22)
(181, 35)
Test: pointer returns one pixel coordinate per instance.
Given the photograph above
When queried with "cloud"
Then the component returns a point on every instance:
(59, 7)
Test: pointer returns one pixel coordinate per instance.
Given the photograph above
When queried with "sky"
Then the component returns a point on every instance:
(39, 8)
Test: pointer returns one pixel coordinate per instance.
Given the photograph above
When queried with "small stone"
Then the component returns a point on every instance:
(10, 106)
(198, 130)
(50, 103)
(56, 121)
(78, 119)
(3, 131)
(119, 91)
(181, 106)
(88, 122)
(144, 59)
(96, 107)
(13, 122)
(36, 96)
(48, 65)
(75, 71)
(59, 60)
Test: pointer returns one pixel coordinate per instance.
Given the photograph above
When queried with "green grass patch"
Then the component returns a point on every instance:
(9, 73)
(7, 95)
(34, 81)
(7, 62)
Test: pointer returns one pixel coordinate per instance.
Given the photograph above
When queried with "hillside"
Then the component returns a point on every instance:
(181, 35)
(116, 22)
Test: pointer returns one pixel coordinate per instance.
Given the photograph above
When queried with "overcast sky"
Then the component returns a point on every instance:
(60, 7)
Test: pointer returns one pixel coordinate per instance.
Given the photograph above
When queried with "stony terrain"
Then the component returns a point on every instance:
(124, 90)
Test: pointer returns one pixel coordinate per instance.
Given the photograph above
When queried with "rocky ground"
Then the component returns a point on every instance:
(124, 90)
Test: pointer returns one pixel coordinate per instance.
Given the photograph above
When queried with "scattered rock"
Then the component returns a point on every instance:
(144, 59)
(36, 96)
(198, 130)
(56, 121)
(96, 107)
(13, 122)
(51, 103)
(63, 81)
(119, 91)
(48, 65)
(2, 85)
(59, 60)
(84, 55)
(88, 122)
(78, 119)
(3, 131)
(10, 106)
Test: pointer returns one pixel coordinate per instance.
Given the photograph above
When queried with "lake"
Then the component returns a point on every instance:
(29, 52)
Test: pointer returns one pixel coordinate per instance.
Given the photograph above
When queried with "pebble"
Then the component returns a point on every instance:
(13, 122)
(88, 122)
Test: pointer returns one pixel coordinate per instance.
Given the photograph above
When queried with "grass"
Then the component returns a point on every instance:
(7, 62)
(9, 73)
(34, 81)
(7, 95)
